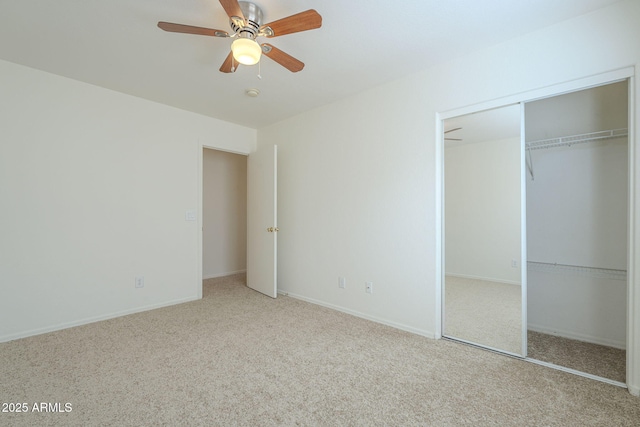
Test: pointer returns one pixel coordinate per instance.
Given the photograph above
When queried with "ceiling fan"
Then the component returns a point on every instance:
(245, 19)
(451, 139)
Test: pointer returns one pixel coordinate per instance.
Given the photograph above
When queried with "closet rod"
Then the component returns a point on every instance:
(603, 273)
(575, 139)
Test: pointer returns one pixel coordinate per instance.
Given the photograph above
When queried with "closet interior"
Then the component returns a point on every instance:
(576, 196)
(535, 230)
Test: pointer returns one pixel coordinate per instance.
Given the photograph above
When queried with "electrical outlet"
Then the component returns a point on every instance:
(342, 282)
(514, 263)
(368, 287)
(139, 281)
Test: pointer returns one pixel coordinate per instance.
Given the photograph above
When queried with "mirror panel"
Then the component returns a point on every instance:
(483, 298)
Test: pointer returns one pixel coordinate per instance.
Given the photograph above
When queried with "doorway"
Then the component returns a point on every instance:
(224, 213)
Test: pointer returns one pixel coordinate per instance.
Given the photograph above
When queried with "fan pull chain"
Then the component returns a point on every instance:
(233, 67)
(259, 76)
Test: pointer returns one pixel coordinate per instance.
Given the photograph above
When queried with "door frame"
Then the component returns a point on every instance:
(633, 284)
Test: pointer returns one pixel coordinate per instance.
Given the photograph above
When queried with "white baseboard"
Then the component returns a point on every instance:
(85, 321)
(634, 390)
(486, 279)
(386, 322)
(229, 273)
(577, 336)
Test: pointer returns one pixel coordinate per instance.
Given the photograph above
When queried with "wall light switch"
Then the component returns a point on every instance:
(190, 216)
(139, 281)
(342, 282)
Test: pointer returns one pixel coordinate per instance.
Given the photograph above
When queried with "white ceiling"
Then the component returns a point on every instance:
(117, 45)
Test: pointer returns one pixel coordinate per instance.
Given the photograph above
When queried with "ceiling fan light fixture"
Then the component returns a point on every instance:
(246, 51)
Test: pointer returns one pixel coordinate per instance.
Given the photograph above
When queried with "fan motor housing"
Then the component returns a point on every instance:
(250, 26)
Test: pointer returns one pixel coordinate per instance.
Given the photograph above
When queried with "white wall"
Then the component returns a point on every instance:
(353, 191)
(590, 110)
(577, 304)
(482, 210)
(224, 200)
(577, 205)
(94, 187)
(357, 193)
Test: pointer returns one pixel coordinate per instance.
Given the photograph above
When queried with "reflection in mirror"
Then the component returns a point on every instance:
(483, 297)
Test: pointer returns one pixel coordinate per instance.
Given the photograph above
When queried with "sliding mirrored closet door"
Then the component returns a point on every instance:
(484, 291)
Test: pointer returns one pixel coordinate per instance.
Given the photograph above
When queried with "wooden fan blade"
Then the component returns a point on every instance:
(232, 8)
(188, 29)
(284, 59)
(229, 65)
(451, 130)
(303, 21)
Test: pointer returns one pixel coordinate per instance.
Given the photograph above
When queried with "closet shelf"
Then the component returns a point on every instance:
(576, 139)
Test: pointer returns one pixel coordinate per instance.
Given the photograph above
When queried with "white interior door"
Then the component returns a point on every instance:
(262, 236)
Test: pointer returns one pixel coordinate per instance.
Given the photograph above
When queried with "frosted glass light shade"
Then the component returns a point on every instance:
(246, 51)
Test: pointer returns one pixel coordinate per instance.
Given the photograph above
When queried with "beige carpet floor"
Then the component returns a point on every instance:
(238, 358)
(594, 359)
